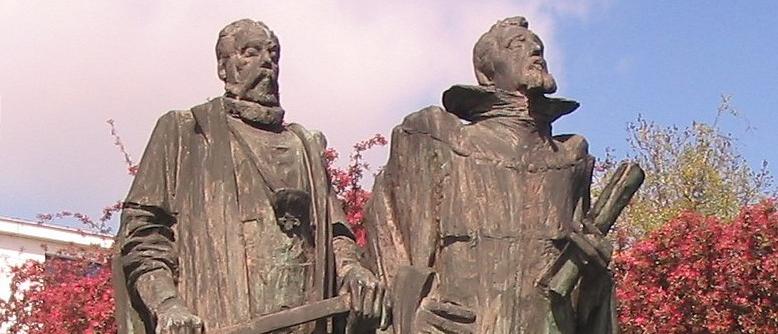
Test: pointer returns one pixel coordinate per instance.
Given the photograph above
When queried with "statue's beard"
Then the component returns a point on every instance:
(265, 92)
(259, 85)
(538, 80)
(256, 113)
(272, 116)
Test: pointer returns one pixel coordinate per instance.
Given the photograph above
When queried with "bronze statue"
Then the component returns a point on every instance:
(231, 215)
(482, 194)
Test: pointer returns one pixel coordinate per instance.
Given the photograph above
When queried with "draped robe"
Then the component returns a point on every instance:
(483, 194)
(201, 209)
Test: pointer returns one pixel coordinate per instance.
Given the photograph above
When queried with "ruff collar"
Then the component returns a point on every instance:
(474, 103)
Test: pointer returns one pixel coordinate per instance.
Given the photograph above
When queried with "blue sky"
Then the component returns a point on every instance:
(671, 63)
(351, 69)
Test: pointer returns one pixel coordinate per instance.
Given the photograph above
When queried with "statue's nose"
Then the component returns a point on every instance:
(265, 59)
(536, 49)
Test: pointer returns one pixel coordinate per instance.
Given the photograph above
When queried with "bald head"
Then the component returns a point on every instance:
(510, 56)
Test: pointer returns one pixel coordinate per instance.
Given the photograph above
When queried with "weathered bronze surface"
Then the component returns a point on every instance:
(482, 193)
(231, 215)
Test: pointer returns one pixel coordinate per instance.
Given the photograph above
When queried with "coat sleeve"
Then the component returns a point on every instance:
(337, 217)
(145, 236)
(344, 247)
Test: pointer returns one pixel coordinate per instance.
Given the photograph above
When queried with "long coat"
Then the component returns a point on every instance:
(485, 204)
(199, 208)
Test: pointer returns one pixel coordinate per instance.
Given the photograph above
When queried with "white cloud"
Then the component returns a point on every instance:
(349, 68)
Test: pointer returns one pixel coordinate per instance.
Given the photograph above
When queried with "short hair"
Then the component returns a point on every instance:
(487, 44)
(225, 45)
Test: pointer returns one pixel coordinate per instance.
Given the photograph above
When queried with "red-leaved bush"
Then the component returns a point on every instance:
(347, 183)
(67, 294)
(698, 274)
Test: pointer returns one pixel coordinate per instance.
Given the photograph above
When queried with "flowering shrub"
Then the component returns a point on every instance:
(698, 274)
(70, 293)
(347, 183)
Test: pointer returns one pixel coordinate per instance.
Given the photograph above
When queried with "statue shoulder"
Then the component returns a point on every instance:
(575, 146)
(176, 116)
(432, 120)
(175, 121)
(315, 137)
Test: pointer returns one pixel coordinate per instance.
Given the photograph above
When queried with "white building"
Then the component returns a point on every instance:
(22, 240)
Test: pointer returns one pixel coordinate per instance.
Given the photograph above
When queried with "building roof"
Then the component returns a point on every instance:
(52, 233)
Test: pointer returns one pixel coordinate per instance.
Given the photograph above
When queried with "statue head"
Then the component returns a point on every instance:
(510, 57)
(247, 52)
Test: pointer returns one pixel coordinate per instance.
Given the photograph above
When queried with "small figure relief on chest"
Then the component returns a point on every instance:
(292, 208)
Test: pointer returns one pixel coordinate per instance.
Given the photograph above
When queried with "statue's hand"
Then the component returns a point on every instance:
(596, 248)
(368, 297)
(444, 317)
(175, 318)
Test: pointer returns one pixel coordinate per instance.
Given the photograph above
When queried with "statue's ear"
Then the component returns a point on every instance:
(222, 69)
(483, 80)
(484, 73)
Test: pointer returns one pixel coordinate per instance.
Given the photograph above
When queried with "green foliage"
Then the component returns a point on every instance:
(696, 168)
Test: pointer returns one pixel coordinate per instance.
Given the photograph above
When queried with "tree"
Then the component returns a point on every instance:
(700, 274)
(697, 245)
(695, 168)
(348, 183)
(70, 293)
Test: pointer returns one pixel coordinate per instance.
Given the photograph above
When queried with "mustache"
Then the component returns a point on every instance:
(536, 62)
(256, 75)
